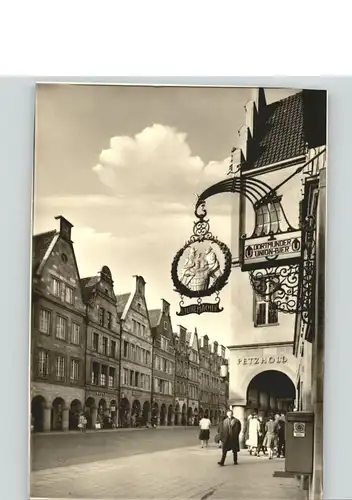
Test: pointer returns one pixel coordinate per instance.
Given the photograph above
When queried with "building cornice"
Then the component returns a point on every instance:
(261, 345)
(297, 161)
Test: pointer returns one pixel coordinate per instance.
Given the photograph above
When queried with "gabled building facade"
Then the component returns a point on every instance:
(205, 396)
(102, 350)
(163, 364)
(57, 333)
(136, 357)
(181, 375)
(193, 380)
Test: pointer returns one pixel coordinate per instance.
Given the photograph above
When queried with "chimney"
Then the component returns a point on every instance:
(205, 342)
(65, 227)
(182, 333)
(222, 351)
(140, 284)
(165, 307)
(215, 345)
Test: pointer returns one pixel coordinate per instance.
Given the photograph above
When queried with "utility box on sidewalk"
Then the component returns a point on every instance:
(299, 442)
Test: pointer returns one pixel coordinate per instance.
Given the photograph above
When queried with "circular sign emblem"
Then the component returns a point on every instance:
(202, 267)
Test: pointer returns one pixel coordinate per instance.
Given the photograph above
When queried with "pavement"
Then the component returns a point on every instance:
(183, 472)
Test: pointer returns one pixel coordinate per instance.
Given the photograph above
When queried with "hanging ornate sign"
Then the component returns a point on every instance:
(201, 268)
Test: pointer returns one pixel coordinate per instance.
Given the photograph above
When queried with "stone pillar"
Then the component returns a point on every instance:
(94, 414)
(279, 405)
(239, 412)
(65, 419)
(264, 401)
(253, 396)
(46, 418)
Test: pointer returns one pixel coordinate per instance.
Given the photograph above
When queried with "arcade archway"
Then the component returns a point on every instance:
(269, 392)
(145, 412)
(184, 415)
(189, 416)
(74, 414)
(124, 409)
(57, 414)
(169, 415)
(37, 411)
(163, 414)
(177, 414)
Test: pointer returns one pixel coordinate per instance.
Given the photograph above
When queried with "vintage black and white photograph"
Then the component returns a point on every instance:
(178, 292)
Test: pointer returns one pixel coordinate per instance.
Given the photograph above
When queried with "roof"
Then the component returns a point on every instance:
(121, 302)
(154, 317)
(88, 287)
(41, 243)
(278, 133)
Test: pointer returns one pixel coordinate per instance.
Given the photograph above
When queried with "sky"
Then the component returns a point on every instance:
(124, 164)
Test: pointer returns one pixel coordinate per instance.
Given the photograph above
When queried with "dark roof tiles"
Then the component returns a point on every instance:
(279, 133)
(121, 302)
(41, 243)
(154, 317)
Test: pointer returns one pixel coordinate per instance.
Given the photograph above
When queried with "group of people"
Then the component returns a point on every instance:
(266, 435)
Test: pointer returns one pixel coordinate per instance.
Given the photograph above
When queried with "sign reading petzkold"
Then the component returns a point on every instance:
(201, 268)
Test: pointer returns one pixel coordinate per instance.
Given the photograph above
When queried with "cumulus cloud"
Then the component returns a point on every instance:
(157, 164)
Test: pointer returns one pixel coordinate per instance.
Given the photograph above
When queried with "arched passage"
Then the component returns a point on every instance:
(163, 414)
(89, 409)
(177, 414)
(169, 415)
(57, 414)
(136, 412)
(75, 411)
(37, 412)
(189, 416)
(184, 415)
(124, 412)
(145, 413)
(271, 391)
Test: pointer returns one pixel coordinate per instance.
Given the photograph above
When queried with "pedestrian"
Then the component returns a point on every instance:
(246, 429)
(261, 436)
(280, 429)
(230, 430)
(253, 434)
(204, 433)
(270, 436)
(82, 422)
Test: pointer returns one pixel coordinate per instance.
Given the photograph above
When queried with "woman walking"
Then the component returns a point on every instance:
(253, 434)
(261, 436)
(204, 433)
(270, 436)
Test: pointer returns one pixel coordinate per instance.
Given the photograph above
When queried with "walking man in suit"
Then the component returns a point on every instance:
(229, 434)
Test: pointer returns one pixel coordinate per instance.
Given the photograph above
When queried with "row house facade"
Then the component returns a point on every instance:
(136, 357)
(57, 333)
(102, 349)
(105, 355)
(163, 364)
(181, 342)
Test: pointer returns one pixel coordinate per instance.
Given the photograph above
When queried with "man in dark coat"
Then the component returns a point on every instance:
(229, 433)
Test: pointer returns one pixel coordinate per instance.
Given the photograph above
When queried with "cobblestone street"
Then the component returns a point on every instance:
(187, 472)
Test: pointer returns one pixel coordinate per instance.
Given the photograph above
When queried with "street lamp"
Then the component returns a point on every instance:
(224, 372)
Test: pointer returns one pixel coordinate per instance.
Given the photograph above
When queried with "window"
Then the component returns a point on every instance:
(74, 372)
(43, 363)
(101, 316)
(111, 381)
(136, 379)
(131, 378)
(265, 312)
(105, 346)
(75, 335)
(60, 368)
(138, 354)
(165, 325)
(267, 218)
(44, 321)
(103, 375)
(95, 342)
(68, 294)
(125, 349)
(109, 320)
(113, 348)
(148, 357)
(95, 373)
(125, 376)
(147, 382)
(133, 352)
(61, 327)
(142, 380)
(56, 287)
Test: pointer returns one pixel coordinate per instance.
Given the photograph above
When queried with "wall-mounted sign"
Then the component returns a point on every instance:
(136, 394)
(270, 360)
(299, 429)
(201, 269)
(266, 251)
